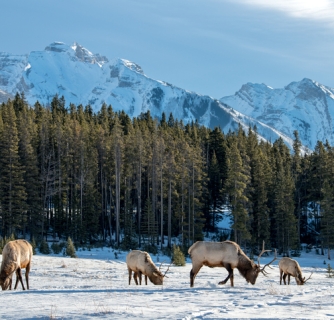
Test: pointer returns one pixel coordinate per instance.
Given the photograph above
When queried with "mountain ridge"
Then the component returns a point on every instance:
(306, 106)
(85, 78)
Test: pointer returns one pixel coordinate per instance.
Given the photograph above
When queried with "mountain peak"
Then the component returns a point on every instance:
(85, 55)
(57, 47)
(308, 90)
(306, 106)
(301, 85)
(255, 86)
(81, 53)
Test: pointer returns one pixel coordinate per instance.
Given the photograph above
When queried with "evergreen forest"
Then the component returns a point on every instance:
(148, 183)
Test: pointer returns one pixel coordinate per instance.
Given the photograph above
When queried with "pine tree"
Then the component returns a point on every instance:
(178, 256)
(12, 186)
(217, 174)
(261, 182)
(161, 172)
(129, 241)
(44, 247)
(327, 202)
(296, 172)
(285, 224)
(315, 180)
(117, 136)
(70, 249)
(149, 224)
(215, 187)
(170, 182)
(47, 165)
(235, 186)
(27, 132)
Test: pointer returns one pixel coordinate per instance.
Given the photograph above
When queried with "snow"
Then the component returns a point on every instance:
(27, 67)
(306, 106)
(95, 285)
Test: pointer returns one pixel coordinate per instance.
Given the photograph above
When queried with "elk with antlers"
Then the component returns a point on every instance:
(289, 267)
(140, 263)
(227, 254)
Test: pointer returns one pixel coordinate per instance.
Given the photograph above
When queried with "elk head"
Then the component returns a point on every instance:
(257, 268)
(5, 281)
(301, 281)
(252, 272)
(157, 277)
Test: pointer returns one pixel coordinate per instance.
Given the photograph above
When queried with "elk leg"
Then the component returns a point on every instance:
(130, 274)
(284, 277)
(135, 275)
(288, 279)
(140, 276)
(280, 276)
(27, 275)
(10, 282)
(193, 274)
(19, 277)
(145, 279)
(230, 275)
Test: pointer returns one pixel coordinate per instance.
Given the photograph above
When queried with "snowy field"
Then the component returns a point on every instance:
(95, 286)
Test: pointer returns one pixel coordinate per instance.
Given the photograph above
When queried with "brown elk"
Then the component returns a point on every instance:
(227, 254)
(289, 267)
(16, 255)
(140, 263)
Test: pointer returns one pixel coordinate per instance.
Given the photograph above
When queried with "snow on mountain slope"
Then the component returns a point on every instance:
(11, 74)
(305, 106)
(86, 78)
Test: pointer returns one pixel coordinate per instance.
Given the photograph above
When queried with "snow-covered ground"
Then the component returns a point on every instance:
(95, 285)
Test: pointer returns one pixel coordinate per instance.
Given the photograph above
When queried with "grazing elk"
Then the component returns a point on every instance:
(289, 267)
(227, 254)
(140, 263)
(16, 255)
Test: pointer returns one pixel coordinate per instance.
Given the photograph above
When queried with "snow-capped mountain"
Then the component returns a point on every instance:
(86, 78)
(306, 106)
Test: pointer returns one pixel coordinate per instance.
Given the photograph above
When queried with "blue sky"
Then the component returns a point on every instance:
(211, 47)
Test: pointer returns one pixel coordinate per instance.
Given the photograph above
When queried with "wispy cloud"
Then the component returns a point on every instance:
(308, 9)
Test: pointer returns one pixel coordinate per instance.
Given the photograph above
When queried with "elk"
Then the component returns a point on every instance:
(140, 263)
(289, 267)
(227, 254)
(16, 255)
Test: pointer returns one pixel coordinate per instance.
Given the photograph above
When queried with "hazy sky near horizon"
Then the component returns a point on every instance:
(211, 47)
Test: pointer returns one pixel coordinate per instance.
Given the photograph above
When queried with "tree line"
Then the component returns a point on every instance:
(141, 182)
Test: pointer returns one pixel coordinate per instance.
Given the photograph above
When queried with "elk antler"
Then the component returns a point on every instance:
(266, 265)
(168, 269)
(161, 264)
(262, 252)
(304, 281)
